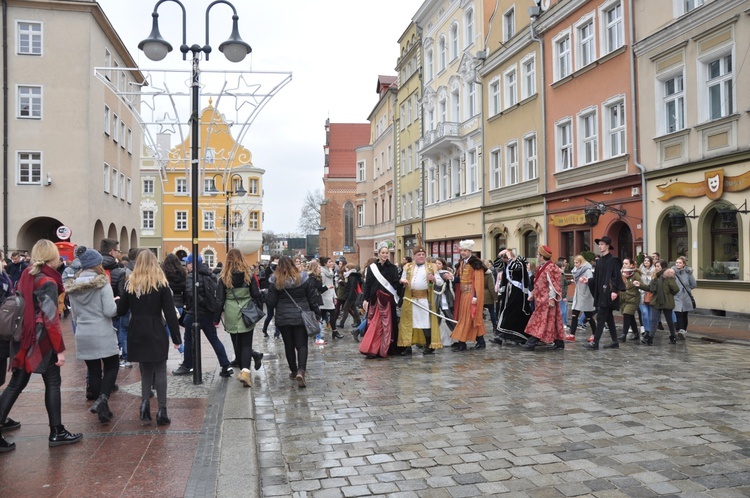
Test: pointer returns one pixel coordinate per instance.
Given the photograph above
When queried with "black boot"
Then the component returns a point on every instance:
(162, 418)
(257, 357)
(101, 408)
(622, 337)
(336, 335)
(6, 446)
(459, 346)
(59, 436)
(481, 344)
(530, 343)
(145, 411)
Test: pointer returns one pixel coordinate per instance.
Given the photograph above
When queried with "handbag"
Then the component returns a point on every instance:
(251, 312)
(312, 326)
(647, 297)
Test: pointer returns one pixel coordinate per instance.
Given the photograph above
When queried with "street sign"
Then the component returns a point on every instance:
(63, 232)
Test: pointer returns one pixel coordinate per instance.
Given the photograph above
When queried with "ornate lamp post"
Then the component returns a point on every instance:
(228, 192)
(234, 49)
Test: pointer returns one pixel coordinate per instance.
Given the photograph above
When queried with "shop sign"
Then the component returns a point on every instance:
(568, 219)
(63, 232)
(713, 186)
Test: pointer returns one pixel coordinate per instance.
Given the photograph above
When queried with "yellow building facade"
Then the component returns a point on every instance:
(226, 219)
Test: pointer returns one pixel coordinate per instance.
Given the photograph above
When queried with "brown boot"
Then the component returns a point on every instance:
(301, 378)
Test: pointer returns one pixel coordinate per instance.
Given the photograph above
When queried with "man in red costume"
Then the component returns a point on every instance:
(469, 299)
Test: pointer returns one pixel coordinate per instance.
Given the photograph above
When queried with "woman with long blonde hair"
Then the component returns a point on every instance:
(238, 284)
(149, 299)
(290, 290)
(40, 285)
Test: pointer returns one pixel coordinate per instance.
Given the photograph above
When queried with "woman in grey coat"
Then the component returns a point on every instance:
(682, 302)
(93, 306)
(583, 301)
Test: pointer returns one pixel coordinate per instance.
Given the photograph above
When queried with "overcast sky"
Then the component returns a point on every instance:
(335, 50)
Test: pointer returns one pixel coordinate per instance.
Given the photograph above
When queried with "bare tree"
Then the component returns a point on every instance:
(309, 219)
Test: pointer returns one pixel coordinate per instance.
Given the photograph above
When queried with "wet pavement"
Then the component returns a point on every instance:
(638, 421)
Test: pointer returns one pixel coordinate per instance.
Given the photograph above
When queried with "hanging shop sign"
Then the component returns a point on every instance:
(712, 187)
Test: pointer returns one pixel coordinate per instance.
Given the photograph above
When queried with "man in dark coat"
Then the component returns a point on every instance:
(16, 266)
(204, 314)
(605, 287)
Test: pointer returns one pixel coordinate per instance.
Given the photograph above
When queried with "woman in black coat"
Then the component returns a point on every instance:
(149, 299)
(288, 291)
(380, 305)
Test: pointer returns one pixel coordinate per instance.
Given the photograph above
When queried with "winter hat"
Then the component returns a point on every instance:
(79, 250)
(189, 259)
(90, 258)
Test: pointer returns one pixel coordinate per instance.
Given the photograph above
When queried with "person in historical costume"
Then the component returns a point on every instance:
(380, 299)
(418, 325)
(469, 299)
(514, 287)
(606, 287)
(545, 324)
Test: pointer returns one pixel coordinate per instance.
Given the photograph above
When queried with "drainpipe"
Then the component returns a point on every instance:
(633, 99)
(5, 127)
(421, 135)
(542, 144)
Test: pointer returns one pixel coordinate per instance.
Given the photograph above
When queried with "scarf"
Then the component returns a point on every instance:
(26, 289)
(578, 272)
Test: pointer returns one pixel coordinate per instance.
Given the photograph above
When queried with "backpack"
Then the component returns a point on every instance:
(210, 291)
(11, 318)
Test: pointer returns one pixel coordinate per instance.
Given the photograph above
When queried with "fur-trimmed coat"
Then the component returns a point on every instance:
(93, 306)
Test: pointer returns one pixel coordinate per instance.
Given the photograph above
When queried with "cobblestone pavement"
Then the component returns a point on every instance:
(638, 421)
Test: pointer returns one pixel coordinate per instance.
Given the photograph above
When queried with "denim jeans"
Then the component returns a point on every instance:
(564, 310)
(121, 323)
(207, 326)
(656, 317)
(646, 311)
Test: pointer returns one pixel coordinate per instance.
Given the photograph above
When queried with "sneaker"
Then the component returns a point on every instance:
(591, 339)
(569, 338)
(182, 370)
(642, 329)
(681, 334)
(244, 377)
(320, 342)
(126, 364)
(226, 371)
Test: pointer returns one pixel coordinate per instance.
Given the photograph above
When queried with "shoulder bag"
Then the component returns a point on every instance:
(308, 318)
(251, 312)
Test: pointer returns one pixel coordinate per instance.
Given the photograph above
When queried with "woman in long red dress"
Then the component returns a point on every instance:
(545, 324)
(380, 297)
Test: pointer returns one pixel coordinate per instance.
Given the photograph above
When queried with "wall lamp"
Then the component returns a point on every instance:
(593, 211)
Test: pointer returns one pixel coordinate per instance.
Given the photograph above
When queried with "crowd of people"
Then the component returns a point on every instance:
(424, 302)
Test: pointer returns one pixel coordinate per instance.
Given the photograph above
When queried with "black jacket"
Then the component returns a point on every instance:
(607, 279)
(147, 338)
(286, 313)
(177, 284)
(14, 270)
(238, 282)
(389, 272)
(203, 273)
(116, 272)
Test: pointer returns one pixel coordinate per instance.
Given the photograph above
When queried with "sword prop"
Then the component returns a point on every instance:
(429, 310)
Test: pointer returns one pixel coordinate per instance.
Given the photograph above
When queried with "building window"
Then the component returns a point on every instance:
(123, 134)
(528, 85)
(674, 104)
(530, 243)
(29, 168)
(564, 146)
(496, 173)
(428, 60)
(684, 6)
(349, 226)
(388, 157)
(29, 41)
(115, 128)
(360, 171)
(130, 141)
(115, 183)
(253, 186)
(443, 110)
(530, 157)
(725, 242)
(123, 192)
(147, 220)
(586, 44)
(209, 186)
(29, 102)
(562, 57)
(469, 23)
(209, 220)
(494, 97)
(720, 87)
(209, 258)
(148, 186)
(181, 186)
(588, 138)
(454, 41)
(106, 178)
(615, 129)
(409, 158)
(431, 185)
(456, 175)
(471, 99)
(472, 171)
(511, 88)
(511, 163)
(613, 27)
(129, 190)
(442, 54)
(107, 120)
(181, 220)
(410, 206)
(509, 24)
(456, 106)
(254, 220)
(361, 215)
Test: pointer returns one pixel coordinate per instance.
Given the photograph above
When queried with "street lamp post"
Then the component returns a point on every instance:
(228, 192)
(234, 49)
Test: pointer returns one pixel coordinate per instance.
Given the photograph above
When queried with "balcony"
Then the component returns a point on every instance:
(441, 140)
